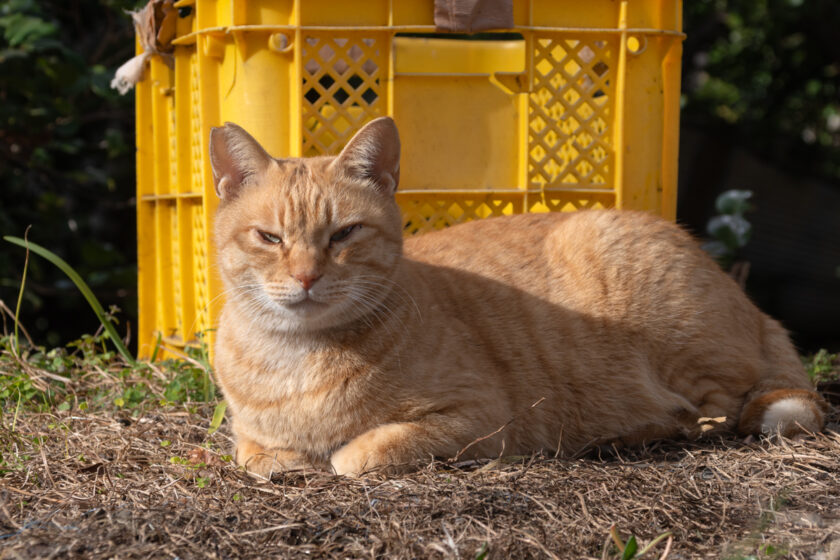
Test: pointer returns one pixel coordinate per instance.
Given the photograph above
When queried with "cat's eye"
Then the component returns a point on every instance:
(269, 237)
(342, 234)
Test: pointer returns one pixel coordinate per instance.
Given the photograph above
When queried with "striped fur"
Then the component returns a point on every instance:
(585, 328)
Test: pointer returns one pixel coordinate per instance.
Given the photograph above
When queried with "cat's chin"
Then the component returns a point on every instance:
(306, 307)
(312, 317)
(307, 316)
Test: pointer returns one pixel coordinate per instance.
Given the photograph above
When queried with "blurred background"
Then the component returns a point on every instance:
(760, 112)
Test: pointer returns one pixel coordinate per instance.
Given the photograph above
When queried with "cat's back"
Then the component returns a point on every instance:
(619, 264)
(590, 240)
(484, 243)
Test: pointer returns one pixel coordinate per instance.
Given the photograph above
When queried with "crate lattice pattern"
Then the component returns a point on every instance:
(569, 110)
(428, 214)
(567, 202)
(446, 209)
(343, 88)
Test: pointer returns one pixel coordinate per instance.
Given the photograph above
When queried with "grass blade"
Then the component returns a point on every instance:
(631, 548)
(82, 286)
(218, 416)
(655, 542)
(20, 296)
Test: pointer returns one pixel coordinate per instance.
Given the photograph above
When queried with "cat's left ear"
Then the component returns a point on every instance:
(373, 154)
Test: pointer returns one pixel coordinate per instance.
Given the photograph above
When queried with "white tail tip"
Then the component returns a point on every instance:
(790, 416)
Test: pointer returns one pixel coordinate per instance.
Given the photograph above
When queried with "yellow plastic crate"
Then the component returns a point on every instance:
(580, 112)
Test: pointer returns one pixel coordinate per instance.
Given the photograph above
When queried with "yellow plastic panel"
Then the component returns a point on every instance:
(413, 12)
(574, 13)
(253, 87)
(452, 56)
(654, 15)
(447, 147)
(345, 14)
(266, 12)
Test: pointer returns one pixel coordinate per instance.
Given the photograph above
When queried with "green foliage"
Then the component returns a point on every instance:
(730, 230)
(86, 375)
(104, 319)
(822, 366)
(768, 73)
(66, 151)
(218, 417)
(42, 380)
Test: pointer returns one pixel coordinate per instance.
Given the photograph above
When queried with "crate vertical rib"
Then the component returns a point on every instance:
(210, 51)
(620, 109)
(175, 327)
(671, 70)
(183, 147)
(161, 94)
(146, 261)
(296, 123)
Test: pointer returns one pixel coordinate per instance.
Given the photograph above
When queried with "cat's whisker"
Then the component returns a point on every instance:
(362, 316)
(374, 305)
(406, 299)
(241, 288)
(366, 317)
(402, 291)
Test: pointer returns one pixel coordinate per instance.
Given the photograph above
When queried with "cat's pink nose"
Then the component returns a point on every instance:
(306, 279)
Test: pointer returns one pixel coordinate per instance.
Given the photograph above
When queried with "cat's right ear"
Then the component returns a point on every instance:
(373, 155)
(234, 157)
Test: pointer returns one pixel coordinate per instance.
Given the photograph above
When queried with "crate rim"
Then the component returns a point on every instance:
(190, 38)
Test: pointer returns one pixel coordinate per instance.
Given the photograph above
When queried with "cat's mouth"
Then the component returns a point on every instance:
(306, 305)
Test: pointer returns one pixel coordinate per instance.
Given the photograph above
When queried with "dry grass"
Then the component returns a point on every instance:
(157, 485)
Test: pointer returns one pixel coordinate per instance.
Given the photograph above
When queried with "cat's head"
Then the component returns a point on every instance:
(306, 244)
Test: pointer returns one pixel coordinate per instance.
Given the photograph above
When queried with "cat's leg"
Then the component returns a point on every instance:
(262, 461)
(396, 447)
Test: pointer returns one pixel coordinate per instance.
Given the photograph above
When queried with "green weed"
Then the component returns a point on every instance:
(822, 366)
(87, 375)
(630, 550)
(103, 317)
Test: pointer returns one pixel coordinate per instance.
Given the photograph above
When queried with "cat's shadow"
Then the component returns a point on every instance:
(549, 357)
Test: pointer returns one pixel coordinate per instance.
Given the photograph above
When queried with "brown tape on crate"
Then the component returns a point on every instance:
(468, 16)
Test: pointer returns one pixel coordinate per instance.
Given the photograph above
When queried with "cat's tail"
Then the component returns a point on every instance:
(784, 399)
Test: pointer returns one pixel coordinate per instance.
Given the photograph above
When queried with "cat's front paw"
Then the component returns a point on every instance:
(349, 461)
(263, 462)
(392, 448)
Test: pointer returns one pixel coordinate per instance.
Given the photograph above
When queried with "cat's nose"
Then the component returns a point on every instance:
(306, 279)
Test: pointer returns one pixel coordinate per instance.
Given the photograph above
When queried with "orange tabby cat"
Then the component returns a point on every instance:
(343, 347)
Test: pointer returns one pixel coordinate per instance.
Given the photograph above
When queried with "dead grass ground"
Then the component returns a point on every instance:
(154, 486)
